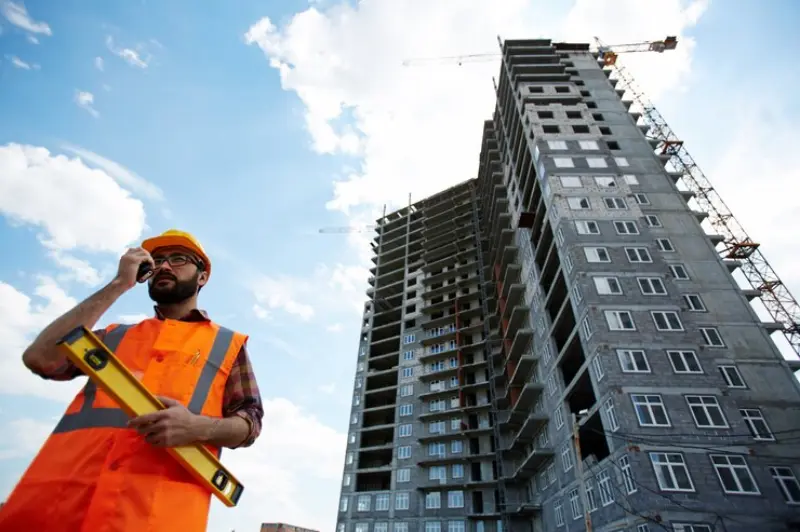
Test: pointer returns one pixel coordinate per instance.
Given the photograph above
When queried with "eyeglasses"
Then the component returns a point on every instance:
(175, 261)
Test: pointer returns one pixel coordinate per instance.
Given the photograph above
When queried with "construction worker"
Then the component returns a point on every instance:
(99, 469)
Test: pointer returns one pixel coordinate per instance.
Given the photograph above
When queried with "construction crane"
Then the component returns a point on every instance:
(736, 243)
(608, 53)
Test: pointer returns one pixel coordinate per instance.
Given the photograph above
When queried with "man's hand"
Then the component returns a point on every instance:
(129, 266)
(172, 427)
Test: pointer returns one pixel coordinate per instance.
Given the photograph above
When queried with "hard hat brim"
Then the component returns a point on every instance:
(162, 241)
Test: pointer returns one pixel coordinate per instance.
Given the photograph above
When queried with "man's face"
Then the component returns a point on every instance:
(177, 276)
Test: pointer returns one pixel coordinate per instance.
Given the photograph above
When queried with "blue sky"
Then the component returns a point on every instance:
(253, 127)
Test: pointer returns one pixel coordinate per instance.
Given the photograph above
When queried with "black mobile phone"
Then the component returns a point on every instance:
(145, 272)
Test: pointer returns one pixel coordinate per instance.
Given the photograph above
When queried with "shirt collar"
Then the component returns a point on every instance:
(193, 315)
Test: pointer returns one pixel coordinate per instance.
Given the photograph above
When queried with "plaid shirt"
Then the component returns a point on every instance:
(241, 397)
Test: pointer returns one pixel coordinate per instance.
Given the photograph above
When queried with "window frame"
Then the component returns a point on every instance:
(628, 355)
(706, 408)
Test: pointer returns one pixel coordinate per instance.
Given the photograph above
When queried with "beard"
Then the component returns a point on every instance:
(179, 292)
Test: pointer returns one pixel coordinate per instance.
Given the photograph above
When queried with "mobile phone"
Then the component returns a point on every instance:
(144, 272)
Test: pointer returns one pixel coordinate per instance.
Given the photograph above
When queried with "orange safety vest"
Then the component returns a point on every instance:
(95, 475)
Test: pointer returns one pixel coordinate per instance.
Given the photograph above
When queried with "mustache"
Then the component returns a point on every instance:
(163, 276)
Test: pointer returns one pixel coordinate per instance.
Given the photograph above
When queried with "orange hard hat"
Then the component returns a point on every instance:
(174, 237)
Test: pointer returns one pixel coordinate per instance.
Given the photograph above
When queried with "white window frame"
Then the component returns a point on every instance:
(592, 252)
(708, 333)
(563, 162)
(557, 144)
(733, 473)
(694, 302)
(706, 404)
(610, 410)
(597, 362)
(605, 181)
(559, 513)
(596, 162)
(678, 272)
(627, 474)
(666, 320)
(587, 227)
(651, 286)
(403, 452)
(757, 424)
(433, 500)
(684, 355)
(621, 161)
(665, 245)
(401, 500)
(653, 220)
(570, 181)
(455, 499)
(646, 406)
(604, 487)
(403, 475)
(641, 254)
(406, 410)
(607, 286)
(664, 465)
(404, 430)
(617, 320)
(588, 145)
(406, 390)
(641, 198)
(783, 475)
(382, 502)
(615, 203)
(579, 203)
(630, 179)
(574, 504)
(626, 227)
(629, 362)
(732, 377)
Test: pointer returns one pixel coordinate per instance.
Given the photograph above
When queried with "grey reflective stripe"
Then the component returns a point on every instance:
(112, 340)
(93, 418)
(215, 359)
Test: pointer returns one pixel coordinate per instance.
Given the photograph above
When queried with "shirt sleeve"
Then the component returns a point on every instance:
(67, 370)
(242, 397)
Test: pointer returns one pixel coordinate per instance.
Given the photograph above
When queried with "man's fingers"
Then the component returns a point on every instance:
(146, 419)
(169, 401)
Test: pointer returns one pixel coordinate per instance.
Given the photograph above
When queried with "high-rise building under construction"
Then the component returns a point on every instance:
(558, 344)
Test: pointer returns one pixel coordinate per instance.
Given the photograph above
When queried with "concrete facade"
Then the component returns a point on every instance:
(570, 280)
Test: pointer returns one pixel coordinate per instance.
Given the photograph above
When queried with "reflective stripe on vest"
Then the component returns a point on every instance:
(88, 417)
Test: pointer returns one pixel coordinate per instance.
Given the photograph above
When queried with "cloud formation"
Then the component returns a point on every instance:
(17, 15)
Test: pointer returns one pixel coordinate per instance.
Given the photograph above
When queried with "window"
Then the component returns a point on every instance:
(650, 410)
(455, 499)
(456, 446)
(732, 377)
(574, 504)
(570, 181)
(694, 302)
(651, 286)
(596, 254)
(455, 424)
(433, 499)
(667, 320)
(626, 228)
(665, 245)
(638, 255)
(408, 355)
(589, 145)
(354, 419)
(403, 475)
(456, 526)
(346, 480)
(678, 272)
(641, 198)
(577, 294)
(615, 203)
(437, 449)
(340, 527)
(401, 500)
(587, 227)
(619, 320)
(363, 503)
(684, 362)
(653, 221)
(691, 527)
(711, 337)
(406, 410)
(591, 502)
(559, 514)
(621, 161)
(671, 472)
(359, 382)
(605, 182)
(458, 471)
(404, 451)
(587, 328)
(787, 482)
(733, 474)
(436, 427)
(407, 373)
(559, 417)
(642, 527)
(578, 204)
(706, 412)
(611, 414)
(627, 474)
(630, 179)
(607, 285)
(352, 438)
(633, 361)
(598, 367)
(557, 144)
(563, 162)
(756, 424)
(362, 527)
(596, 162)
(406, 390)
(551, 385)
(604, 484)
(437, 473)
(356, 400)
(409, 338)
(433, 526)
(349, 457)
(567, 263)
(404, 430)
(381, 527)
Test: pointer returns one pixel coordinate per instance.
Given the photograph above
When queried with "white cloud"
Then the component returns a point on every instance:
(17, 15)
(85, 100)
(327, 389)
(291, 474)
(98, 63)
(124, 176)
(19, 63)
(32, 39)
(21, 318)
(129, 55)
(280, 345)
(76, 269)
(332, 289)
(419, 127)
(75, 206)
(335, 327)
(29, 435)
